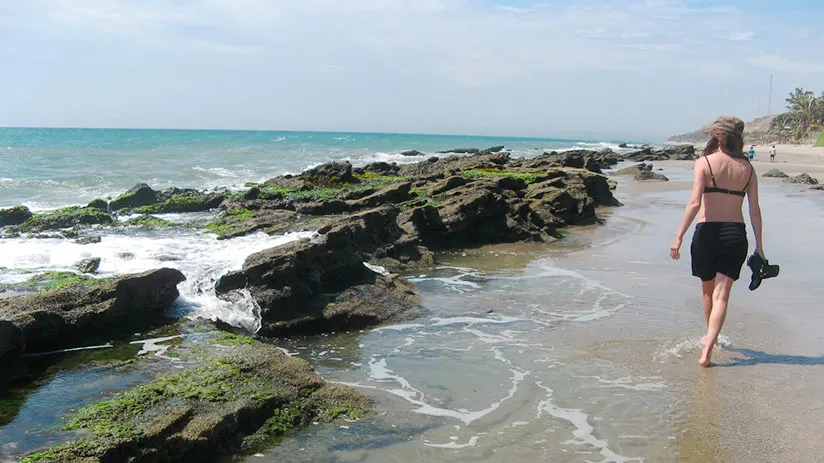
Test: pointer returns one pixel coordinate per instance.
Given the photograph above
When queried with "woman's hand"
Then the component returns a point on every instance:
(675, 249)
(760, 251)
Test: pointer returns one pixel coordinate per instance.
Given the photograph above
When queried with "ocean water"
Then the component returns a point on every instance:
(49, 168)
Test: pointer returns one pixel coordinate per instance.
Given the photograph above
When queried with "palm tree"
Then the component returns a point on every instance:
(802, 106)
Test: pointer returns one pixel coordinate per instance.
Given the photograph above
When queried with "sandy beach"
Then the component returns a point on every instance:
(791, 159)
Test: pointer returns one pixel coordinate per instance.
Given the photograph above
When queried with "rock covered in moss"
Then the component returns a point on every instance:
(86, 312)
(139, 195)
(99, 204)
(67, 217)
(14, 215)
(235, 403)
(648, 175)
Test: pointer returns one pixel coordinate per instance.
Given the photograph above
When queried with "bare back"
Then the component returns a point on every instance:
(729, 173)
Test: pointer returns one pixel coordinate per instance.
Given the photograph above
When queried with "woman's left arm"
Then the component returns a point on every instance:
(693, 206)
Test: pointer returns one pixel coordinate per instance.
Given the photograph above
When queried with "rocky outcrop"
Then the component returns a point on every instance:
(490, 150)
(142, 199)
(324, 285)
(85, 313)
(775, 173)
(66, 218)
(803, 179)
(330, 174)
(237, 400)
(669, 153)
(635, 170)
(14, 215)
(594, 161)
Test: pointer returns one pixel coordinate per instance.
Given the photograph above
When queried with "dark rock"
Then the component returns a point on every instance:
(775, 173)
(803, 179)
(433, 159)
(89, 265)
(11, 342)
(461, 151)
(139, 195)
(818, 187)
(65, 218)
(288, 182)
(295, 285)
(412, 153)
(99, 204)
(448, 184)
(332, 206)
(14, 215)
(330, 174)
(680, 152)
(88, 313)
(646, 175)
(393, 194)
(93, 239)
(381, 168)
(125, 255)
(231, 400)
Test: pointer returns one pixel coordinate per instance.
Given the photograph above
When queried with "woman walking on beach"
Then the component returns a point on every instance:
(723, 178)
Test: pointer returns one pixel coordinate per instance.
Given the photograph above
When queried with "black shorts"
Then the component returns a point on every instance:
(718, 247)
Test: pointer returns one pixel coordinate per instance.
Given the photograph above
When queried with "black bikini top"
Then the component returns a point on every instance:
(716, 189)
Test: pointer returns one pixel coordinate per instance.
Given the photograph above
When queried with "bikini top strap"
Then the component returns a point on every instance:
(712, 176)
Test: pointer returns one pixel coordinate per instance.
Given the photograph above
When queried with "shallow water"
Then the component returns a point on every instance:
(587, 352)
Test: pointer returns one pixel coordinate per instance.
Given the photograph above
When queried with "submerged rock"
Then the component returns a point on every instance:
(88, 312)
(774, 173)
(92, 239)
(14, 215)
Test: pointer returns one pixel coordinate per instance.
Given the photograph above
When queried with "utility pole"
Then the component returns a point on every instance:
(769, 98)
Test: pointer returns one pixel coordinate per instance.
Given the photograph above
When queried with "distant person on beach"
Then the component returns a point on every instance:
(752, 152)
(772, 153)
(723, 176)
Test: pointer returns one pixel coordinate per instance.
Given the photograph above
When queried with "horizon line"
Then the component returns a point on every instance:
(514, 137)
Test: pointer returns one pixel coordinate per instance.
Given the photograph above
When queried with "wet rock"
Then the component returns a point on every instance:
(14, 215)
(412, 153)
(125, 255)
(139, 195)
(675, 153)
(68, 217)
(647, 175)
(89, 265)
(176, 200)
(11, 342)
(774, 173)
(86, 313)
(92, 239)
(803, 179)
(296, 284)
(99, 204)
(288, 182)
(330, 174)
(242, 400)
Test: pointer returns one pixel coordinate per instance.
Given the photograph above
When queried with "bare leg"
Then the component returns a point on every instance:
(720, 297)
(707, 287)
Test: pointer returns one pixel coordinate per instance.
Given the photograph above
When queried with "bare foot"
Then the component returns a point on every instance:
(706, 354)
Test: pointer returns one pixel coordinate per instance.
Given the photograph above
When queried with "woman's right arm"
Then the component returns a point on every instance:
(755, 215)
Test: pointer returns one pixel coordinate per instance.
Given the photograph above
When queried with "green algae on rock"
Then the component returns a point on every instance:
(67, 217)
(235, 403)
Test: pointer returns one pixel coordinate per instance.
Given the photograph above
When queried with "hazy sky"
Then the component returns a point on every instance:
(512, 67)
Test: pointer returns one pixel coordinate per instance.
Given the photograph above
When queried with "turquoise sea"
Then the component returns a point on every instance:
(44, 168)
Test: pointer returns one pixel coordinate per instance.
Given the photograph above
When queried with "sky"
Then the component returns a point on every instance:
(577, 68)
